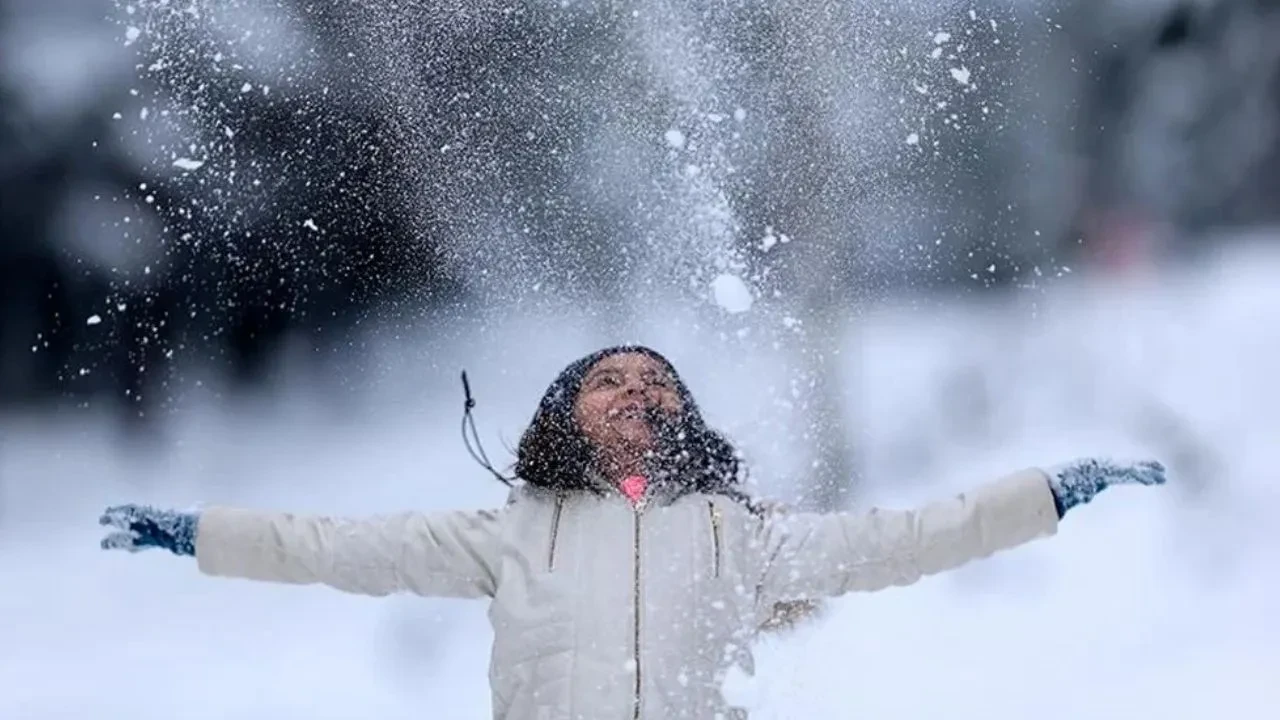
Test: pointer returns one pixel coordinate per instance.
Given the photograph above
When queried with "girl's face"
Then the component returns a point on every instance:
(617, 395)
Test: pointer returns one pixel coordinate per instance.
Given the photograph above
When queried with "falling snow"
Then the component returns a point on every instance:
(372, 168)
(681, 219)
(772, 239)
(731, 293)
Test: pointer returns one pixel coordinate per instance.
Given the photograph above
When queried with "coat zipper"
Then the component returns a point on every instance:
(715, 538)
(555, 532)
(636, 600)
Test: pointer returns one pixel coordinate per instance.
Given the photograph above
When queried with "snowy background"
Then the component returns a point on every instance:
(246, 247)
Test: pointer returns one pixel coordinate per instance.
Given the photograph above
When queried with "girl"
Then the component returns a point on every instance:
(628, 572)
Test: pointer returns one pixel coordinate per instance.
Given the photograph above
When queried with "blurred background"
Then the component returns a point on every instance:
(246, 247)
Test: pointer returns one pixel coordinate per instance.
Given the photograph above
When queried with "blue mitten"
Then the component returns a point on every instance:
(1076, 482)
(142, 527)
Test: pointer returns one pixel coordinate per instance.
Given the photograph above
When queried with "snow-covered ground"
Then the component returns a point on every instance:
(1150, 603)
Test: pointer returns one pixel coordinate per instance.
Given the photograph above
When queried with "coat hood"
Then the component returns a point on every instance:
(563, 391)
(553, 454)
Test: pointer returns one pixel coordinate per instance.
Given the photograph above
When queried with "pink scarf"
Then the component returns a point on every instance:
(633, 487)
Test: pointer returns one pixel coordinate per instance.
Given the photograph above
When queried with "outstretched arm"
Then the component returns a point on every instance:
(448, 554)
(811, 555)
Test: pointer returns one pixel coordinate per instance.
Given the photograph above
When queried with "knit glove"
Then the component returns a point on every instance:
(1077, 482)
(140, 527)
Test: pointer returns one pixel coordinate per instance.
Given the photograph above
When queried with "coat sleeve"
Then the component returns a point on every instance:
(447, 554)
(813, 555)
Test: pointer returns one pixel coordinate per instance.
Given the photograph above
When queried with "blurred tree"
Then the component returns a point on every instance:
(1172, 122)
(229, 273)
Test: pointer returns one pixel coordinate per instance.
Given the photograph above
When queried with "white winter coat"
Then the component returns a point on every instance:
(606, 612)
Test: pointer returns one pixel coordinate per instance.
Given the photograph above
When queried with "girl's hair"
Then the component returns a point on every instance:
(554, 454)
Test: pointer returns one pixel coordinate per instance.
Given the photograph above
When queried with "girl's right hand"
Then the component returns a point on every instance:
(140, 527)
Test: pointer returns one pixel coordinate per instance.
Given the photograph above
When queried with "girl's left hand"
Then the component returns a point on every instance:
(1077, 482)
